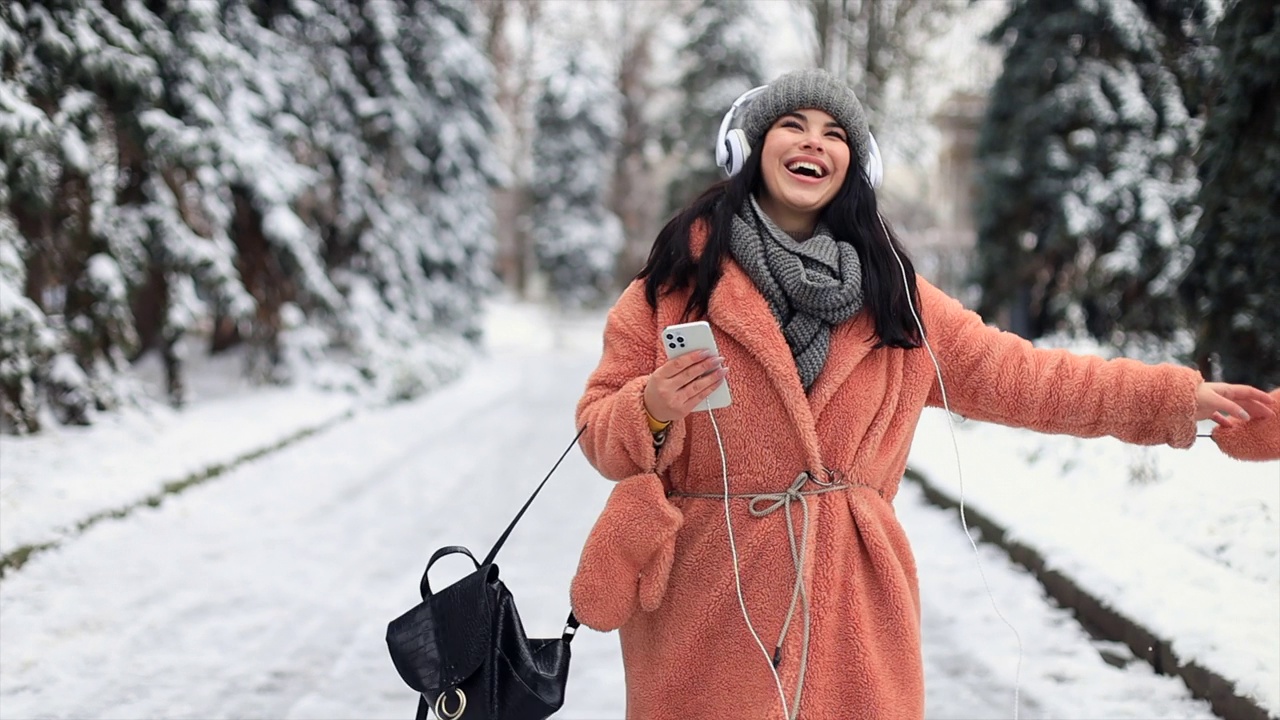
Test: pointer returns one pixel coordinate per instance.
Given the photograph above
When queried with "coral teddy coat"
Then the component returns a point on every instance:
(657, 563)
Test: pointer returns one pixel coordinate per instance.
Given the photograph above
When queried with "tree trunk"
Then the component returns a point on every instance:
(634, 200)
(266, 282)
(514, 78)
(175, 384)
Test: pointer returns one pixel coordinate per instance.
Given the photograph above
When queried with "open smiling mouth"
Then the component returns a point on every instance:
(806, 169)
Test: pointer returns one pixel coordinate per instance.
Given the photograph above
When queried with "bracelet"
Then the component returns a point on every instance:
(655, 425)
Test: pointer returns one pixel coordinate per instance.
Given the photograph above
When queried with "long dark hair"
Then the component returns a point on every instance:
(853, 219)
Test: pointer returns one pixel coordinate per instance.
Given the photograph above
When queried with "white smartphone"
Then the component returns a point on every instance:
(687, 337)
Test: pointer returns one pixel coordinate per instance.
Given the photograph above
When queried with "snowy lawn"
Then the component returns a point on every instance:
(1186, 542)
(53, 481)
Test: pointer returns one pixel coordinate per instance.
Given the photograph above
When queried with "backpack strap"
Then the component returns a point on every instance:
(498, 545)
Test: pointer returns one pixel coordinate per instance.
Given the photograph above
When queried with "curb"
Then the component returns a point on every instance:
(16, 558)
(1103, 621)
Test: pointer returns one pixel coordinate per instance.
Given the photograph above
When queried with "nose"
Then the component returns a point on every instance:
(813, 140)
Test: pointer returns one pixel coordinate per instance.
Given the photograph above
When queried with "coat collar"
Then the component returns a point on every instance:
(738, 309)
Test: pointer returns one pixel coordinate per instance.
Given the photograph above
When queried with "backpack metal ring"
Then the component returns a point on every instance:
(443, 712)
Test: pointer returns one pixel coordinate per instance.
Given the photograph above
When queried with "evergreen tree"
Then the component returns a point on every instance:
(350, 105)
(27, 342)
(576, 239)
(444, 47)
(366, 122)
(212, 190)
(307, 179)
(70, 72)
(719, 61)
(1088, 182)
(1233, 286)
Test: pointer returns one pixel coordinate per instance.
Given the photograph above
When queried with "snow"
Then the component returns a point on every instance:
(51, 481)
(1185, 541)
(265, 590)
(104, 274)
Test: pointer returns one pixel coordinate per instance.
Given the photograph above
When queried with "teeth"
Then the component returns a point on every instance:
(803, 165)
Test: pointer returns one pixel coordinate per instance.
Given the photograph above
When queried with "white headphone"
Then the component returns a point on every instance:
(732, 148)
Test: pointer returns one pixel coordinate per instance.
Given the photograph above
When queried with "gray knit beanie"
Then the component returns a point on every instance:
(815, 89)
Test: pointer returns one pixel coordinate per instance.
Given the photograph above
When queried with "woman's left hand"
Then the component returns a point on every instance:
(1228, 404)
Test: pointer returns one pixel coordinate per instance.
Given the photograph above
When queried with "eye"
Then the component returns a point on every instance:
(837, 135)
(791, 124)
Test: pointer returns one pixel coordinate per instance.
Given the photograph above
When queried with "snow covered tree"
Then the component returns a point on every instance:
(299, 179)
(1087, 176)
(1233, 286)
(719, 61)
(212, 190)
(68, 71)
(443, 45)
(27, 342)
(405, 199)
(576, 239)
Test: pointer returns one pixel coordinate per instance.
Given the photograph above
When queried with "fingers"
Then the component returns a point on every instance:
(1221, 405)
(677, 365)
(1257, 410)
(1239, 401)
(698, 369)
(1224, 420)
(679, 384)
(1253, 401)
(694, 392)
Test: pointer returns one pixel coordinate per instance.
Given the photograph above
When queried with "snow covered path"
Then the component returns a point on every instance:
(266, 592)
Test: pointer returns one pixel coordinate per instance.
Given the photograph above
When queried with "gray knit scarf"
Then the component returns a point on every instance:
(811, 285)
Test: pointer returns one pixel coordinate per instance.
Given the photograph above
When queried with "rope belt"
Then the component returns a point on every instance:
(764, 504)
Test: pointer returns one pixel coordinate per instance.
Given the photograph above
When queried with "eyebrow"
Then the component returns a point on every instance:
(801, 116)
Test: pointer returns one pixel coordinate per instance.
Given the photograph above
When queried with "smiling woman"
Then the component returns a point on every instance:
(804, 162)
(751, 556)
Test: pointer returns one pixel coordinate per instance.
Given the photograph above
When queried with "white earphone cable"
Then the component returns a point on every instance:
(959, 470)
(737, 573)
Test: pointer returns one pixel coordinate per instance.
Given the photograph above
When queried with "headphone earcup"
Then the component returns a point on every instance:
(875, 163)
(732, 148)
(722, 151)
(737, 149)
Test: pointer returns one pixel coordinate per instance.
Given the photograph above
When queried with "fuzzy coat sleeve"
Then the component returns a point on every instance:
(617, 440)
(999, 377)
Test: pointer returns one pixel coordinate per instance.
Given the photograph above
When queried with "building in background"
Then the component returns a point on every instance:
(939, 231)
(943, 250)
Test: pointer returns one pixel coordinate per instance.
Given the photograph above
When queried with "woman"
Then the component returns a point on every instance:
(774, 578)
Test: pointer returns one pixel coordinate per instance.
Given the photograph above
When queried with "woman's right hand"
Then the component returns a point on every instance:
(676, 388)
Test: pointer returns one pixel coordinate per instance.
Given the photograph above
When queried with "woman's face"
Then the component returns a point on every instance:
(804, 162)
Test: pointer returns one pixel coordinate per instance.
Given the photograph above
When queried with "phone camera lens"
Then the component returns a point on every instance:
(670, 336)
(671, 345)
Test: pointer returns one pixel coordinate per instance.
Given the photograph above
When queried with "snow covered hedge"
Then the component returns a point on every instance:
(306, 180)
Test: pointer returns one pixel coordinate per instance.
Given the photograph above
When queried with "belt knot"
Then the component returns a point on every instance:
(765, 504)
